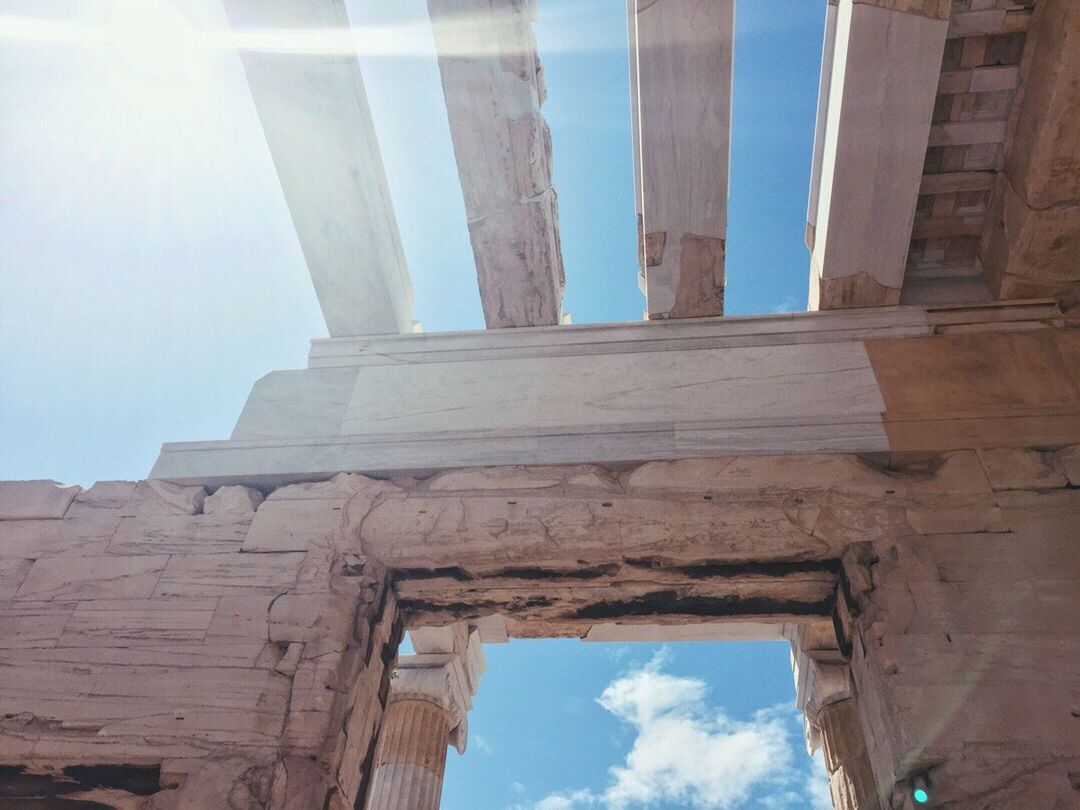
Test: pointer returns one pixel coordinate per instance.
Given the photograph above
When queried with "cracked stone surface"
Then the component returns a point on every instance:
(247, 654)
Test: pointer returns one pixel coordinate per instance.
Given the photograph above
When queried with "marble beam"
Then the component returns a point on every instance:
(315, 116)
(494, 88)
(884, 61)
(681, 55)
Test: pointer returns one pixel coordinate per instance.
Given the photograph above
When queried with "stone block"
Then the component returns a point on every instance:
(27, 500)
(1042, 513)
(309, 617)
(1068, 461)
(130, 498)
(584, 477)
(78, 578)
(180, 534)
(104, 496)
(294, 525)
(76, 537)
(12, 572)
(243, 617)
(26, 625)
(955, 514)
(133, 622)
(226, 574)
(161, 497)
(233, 501)
(1020, 468)
(1030, 253)
(1044, 154)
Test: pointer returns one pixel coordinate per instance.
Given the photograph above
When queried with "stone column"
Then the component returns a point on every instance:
(411, 756)
(824, 693)
(430, 696)
(851, 780)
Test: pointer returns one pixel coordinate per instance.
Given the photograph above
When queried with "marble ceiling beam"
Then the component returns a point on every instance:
(494, 88)
(680, 63)
(882, 65)
(315, 116)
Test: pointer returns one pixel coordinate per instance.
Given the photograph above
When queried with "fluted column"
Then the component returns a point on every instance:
(824, 692)
(410, 756)
(427, 711)
(851, 777)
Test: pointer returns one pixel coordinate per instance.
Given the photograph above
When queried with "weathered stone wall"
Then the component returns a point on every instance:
(137, 637)
(1031, 245)
(234, 651)
(965, 645)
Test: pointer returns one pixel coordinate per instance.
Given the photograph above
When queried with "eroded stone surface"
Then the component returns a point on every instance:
(137, 631)
(233, 500)
(135, 635)
(25, 500)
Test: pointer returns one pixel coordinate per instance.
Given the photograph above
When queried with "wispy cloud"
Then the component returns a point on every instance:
(817, 785)
(690, 753)
(789, 304)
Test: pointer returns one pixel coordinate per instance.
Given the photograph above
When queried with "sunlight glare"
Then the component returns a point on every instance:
(154, 37)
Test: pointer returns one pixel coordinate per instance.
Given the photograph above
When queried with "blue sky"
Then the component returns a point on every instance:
(149, 273)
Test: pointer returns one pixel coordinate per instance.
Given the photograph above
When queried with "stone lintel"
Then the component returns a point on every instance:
(681, 56)
(795, 384)
(319, 128)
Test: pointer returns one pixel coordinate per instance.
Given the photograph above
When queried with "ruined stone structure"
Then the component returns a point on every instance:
(890, 481)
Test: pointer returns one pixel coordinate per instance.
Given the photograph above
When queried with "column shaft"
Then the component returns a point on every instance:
(851, 779)
(410, 757)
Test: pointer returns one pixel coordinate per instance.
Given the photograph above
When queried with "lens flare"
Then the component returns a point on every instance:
(153, 37)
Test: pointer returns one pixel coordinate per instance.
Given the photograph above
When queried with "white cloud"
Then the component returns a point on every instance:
(817, 784)
(566, 801)
(685, 752)
(688, 753)
(481, 744)
(789, 304)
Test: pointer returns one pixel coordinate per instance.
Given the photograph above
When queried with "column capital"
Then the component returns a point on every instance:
(822, 677)
(445, 671)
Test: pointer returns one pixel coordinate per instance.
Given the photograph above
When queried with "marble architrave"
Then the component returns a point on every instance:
(868, 381)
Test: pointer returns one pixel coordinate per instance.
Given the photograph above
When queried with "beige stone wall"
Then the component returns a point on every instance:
(966, 645)
(136, 634)
(235, 651)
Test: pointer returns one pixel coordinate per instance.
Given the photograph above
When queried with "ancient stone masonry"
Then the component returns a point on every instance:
(893, 489)
(965, 647)
(162, 648)
(148, 660)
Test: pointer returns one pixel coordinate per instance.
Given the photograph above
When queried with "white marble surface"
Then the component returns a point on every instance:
(318, 125)
(880, 99)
